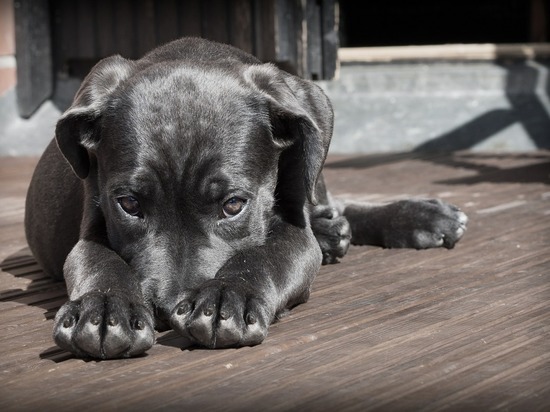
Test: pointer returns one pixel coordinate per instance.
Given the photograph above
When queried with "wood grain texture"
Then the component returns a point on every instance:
(389, 330)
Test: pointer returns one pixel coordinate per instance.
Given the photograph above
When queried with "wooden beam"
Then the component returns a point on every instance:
(444, 52)
(34, 55)
(331, 41)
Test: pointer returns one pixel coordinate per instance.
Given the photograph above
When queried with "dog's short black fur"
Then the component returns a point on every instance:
(195, 201)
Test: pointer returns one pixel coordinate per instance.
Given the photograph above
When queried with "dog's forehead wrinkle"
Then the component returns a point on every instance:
(180, 179)
(190, 163)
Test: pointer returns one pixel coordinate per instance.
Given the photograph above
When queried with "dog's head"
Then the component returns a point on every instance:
(191, 163)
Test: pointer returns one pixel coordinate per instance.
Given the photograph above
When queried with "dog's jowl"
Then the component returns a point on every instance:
(183, 190)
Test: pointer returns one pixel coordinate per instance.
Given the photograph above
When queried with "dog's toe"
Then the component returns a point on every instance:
(104, 327)
(221, 315)
(332, 231)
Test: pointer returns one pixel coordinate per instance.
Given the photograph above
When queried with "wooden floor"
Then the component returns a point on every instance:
(391, 330)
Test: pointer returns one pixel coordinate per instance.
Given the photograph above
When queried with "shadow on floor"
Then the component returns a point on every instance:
(42, 291)
(498, 168)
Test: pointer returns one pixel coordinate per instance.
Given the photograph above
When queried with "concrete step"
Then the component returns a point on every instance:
(441, 106)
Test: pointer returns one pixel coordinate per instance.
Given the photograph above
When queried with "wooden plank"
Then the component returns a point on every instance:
(125, 30)
(105, 28)
(444, 52)
(288, 36)
(190, 18)
(57, 28)
(166, 21)
(265, 47)
(214, 16)
(314, 41)
(145, 20)
(34, 55)
(84, 27)
(330, 38)
(240, 25)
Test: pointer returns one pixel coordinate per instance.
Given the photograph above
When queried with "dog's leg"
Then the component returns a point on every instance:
(105, 317)
(413, 223)
(254, 287)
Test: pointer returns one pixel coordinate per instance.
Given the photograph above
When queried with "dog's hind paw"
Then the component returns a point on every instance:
(103, 326)
(332, 232)
(221, 314)
(423, 224)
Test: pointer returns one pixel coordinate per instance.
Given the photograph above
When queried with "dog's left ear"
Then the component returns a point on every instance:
(77, 131)
(301, 120)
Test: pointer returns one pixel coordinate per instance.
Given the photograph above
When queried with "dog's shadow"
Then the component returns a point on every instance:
(38, 290)
(43, 292)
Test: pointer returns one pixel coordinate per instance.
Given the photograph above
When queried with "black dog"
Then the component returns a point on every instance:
(196, 201)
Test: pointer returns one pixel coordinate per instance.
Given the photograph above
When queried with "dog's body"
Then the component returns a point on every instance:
(196, 201)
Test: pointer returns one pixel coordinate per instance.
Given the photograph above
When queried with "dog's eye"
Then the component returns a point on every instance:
(130, 205)
(233, 206)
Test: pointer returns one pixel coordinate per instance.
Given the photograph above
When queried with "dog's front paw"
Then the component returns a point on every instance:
(222, 313)
(104, 326)
(423, 224)
(332, 232)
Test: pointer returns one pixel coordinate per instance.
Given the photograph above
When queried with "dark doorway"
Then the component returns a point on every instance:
(405, 22)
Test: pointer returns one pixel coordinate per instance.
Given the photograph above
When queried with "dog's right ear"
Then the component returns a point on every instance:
(77, 131)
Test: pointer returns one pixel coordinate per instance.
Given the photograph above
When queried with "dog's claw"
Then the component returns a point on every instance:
(139, 325)
(251, 319)
(69, 322)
